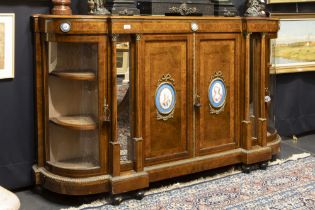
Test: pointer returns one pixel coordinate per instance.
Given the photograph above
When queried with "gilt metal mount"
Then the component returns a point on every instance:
(183, 10)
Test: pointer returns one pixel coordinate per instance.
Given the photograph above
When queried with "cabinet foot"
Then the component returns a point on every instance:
(139, 194)
(37, 189)
(274, 157)
(116, 199)
(263, 165)
(247, 168)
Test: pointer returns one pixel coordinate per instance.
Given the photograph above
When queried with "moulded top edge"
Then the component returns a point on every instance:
(149, 17)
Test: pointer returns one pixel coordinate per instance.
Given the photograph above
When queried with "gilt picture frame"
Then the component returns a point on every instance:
(294, 49)
(287, 1)
(7, 40)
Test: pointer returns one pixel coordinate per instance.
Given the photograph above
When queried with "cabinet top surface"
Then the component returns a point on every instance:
(155, 17)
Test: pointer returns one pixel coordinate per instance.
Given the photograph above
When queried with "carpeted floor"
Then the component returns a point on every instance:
(284, 185)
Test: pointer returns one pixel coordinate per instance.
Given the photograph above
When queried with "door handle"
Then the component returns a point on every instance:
(106, 117)
(197, 104)
(267, 97)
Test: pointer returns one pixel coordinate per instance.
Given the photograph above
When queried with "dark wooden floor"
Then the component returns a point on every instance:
(40, 199)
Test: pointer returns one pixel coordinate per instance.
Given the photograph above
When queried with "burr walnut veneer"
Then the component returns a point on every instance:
(197, 92)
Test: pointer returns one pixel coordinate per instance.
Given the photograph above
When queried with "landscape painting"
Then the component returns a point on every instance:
(1, 46)
(7, 37)
(287, 1)
(294, 49)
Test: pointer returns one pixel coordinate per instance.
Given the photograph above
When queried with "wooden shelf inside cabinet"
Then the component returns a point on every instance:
(75, 122)
(75, 75)
(76, 164)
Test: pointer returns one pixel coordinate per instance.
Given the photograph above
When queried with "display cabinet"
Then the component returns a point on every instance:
(125, 101)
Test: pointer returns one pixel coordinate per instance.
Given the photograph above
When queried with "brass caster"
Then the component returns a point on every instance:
(263, 166)
(116, 200)
(139, 195)
(246, 169)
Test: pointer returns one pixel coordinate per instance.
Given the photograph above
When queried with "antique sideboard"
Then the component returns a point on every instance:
(196, 95)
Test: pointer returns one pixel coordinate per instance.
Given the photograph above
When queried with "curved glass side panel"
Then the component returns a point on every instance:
(73, 116)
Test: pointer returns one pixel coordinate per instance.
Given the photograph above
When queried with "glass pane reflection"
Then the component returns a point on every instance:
(124, 100)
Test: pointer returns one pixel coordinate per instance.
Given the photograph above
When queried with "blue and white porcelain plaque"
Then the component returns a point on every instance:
(165, 98)
(217, 93)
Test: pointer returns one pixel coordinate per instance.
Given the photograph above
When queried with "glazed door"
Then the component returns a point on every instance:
(167, 97)
(74, 83)
(217, 92)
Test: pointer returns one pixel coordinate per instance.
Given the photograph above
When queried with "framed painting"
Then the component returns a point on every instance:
(288, 1)
(294, 49)
(7, 37)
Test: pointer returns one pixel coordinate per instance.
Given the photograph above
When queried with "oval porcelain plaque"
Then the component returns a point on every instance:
(217, 93)
(165, 98)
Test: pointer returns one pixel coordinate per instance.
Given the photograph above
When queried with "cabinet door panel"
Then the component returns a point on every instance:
(166, 61)
(217, 60)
